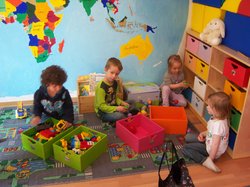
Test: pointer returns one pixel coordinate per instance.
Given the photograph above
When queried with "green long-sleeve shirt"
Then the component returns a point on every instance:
(106, 98)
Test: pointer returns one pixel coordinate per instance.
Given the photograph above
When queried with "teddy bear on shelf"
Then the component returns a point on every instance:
(213, 32)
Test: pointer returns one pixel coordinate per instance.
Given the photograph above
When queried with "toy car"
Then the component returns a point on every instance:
(20, 111)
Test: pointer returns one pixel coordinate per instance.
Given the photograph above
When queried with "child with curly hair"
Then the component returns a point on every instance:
(52, 99)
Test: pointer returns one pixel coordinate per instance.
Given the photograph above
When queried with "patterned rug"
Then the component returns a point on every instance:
(21, 168)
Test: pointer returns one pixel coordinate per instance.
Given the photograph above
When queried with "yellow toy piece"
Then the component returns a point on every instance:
(20, 111)
(64, 144)
(84, 135)
(143, 112)
(60, 126)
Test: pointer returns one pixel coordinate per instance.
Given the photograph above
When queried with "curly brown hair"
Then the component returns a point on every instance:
(53, 74)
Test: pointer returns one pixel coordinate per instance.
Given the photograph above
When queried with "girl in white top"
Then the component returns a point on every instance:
(211, 144)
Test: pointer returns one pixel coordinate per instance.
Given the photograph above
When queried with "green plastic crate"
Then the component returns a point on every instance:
(83, 160)
(42, 150)
(235, 119)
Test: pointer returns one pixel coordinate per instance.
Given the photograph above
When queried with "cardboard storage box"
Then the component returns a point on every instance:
(231, 138)
(83, 160)
(200, 87)
(190, 61)
(235, 119)
(42, 150)
(236, 72)
(237, 95)
(86, 104)
(143, 92)
(197, 104)
(188, 94)
(206, 115)
(172, 119)
(201, 69)
(192, 44)
(85, 96)
(204, 52)
(139, 132)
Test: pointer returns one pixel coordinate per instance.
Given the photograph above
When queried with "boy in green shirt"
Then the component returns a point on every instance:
(109, 107)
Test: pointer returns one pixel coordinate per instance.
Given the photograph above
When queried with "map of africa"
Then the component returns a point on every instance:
(40, 19)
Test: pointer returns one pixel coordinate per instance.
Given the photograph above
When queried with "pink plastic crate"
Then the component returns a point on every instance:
(192, 44)
(139, 132)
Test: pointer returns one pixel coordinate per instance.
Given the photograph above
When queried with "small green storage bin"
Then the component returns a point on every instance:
(43, 150)
(80, 161)
(235, 119)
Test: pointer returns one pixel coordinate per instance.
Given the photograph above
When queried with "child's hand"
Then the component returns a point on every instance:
(184, 84)
(121, 109)
(125, 104)
(35, 120)
(201, 137)
(68, 124)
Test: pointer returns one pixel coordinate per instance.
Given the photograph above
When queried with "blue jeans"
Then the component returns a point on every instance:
(194, 149)
(111, 117)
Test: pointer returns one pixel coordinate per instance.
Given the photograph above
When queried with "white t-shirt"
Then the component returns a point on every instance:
(220, 128)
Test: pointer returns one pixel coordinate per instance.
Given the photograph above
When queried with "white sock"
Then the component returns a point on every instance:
(210, 165)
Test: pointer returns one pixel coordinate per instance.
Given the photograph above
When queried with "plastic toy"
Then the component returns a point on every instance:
(60, 126)
(49, 133)
(64, 144)
(20, 111)
(45, 135)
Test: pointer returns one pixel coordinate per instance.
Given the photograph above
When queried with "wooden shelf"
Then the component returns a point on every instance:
(215, 82)
(234, 54)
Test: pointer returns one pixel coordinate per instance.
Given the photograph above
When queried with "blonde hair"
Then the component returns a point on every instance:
(114, 62)
(172, 59)
(220, 102)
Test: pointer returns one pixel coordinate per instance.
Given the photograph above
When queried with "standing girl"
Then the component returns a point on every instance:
(174, 83)
(211, 144)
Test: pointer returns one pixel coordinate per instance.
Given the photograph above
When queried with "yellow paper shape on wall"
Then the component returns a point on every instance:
(137, 46)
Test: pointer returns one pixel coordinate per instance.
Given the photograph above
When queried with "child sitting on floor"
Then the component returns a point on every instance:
(174, 83)
(108, 106)
(52, 99)
(211, 144)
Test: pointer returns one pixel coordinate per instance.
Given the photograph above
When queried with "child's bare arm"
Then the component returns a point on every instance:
(215, 146)
(35, 120)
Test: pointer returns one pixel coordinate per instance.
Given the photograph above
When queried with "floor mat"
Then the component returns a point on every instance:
(21, 168)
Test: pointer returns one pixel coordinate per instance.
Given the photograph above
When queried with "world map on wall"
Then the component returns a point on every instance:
(40, 18)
